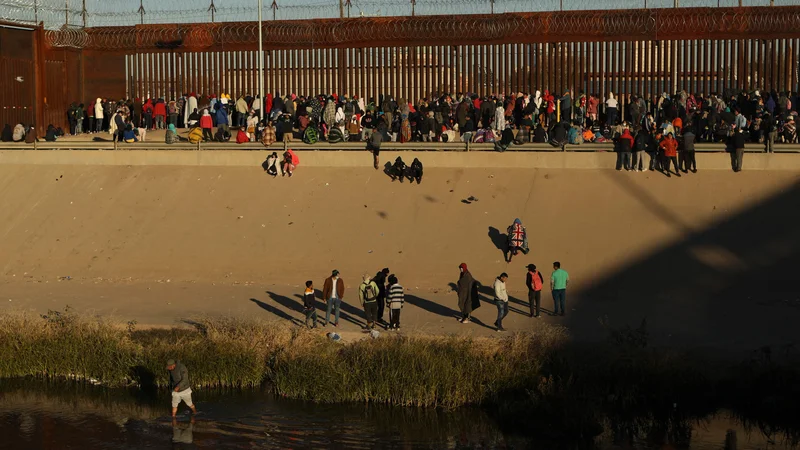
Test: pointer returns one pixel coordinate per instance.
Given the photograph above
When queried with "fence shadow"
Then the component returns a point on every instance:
(729, 286)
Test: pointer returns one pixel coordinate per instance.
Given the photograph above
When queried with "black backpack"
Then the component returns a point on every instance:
(370, 293)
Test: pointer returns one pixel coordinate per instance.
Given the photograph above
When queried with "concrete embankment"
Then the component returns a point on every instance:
(679, 252)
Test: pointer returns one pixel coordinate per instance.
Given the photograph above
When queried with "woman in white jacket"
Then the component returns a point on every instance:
(98, 115)
(500, 118)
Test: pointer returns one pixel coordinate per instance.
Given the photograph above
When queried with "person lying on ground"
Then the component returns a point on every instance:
(271, 164)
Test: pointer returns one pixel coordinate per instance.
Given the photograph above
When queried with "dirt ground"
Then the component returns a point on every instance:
(708, 260)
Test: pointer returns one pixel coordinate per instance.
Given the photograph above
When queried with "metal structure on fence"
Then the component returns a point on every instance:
(637, 51)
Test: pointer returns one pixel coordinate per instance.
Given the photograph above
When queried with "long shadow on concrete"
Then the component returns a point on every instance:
(732, 286)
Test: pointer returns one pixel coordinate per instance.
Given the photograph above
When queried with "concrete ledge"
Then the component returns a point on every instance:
(310, 158)
(350, 146)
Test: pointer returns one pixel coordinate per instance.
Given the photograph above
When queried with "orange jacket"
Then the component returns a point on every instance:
(669, 146)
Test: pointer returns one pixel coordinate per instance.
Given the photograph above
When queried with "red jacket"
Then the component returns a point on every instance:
(241, 137)
(206, 122)
(670, 146)
(160, 109)
(626, 135)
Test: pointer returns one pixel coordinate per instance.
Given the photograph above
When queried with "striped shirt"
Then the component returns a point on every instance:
(395, 296)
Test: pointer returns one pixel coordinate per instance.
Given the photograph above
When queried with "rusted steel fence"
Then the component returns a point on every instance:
(625, 67)
(644, 52)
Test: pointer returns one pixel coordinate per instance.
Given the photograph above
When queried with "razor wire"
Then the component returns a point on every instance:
(102, 13)
(512, 27)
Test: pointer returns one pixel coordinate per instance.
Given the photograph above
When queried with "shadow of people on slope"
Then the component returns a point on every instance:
(431, 306)
(347, 312)
(487, 296)
(276, 311)
(500, 240)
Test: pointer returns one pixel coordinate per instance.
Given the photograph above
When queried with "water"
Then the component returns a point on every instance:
(36, 415)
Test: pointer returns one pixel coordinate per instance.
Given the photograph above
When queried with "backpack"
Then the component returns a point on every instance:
(370, 293)
(310, 136)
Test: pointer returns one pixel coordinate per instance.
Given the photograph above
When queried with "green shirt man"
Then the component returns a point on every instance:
(558, 284)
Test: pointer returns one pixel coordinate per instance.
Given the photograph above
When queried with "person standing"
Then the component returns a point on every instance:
(534, 281)
(380, 281)
(394, 300)
(770, 133)
(738, 148)
(670, 148)
(179, 383)
(501, 300)
(558, 285)
(466, 288)
(309, 308)
(368, 295)
(688, 159)
(333, 293)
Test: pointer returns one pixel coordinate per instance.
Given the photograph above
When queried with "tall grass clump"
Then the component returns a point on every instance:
(221, 352)
(412, 371)
(64, 345)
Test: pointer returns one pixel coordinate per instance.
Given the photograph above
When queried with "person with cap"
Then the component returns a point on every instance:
(179, 383)
(467, 293)
(333, 293)
(534, 281)
(501, 300)
(394, 300)
(558, 285)
(380, 281)
(368, 294)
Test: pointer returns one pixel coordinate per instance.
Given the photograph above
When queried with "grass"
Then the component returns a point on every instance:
(527, 381)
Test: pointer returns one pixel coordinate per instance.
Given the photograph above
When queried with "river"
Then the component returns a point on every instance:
(55, 416)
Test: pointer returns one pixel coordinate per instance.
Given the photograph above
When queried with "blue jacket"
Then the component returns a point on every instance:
(222, 116)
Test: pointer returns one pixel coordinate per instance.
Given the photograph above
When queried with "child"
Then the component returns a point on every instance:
(308, 304)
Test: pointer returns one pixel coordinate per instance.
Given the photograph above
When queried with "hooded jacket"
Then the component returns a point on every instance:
(626, 141)
(466, 291)
(205, 120)
(98, 109)
(7, 135)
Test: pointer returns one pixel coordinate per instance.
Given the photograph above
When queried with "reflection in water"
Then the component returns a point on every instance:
(36, 415)
(182, 432)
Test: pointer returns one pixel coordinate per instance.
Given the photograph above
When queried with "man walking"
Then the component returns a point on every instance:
(558, 284)
(179, 383)
(333, 293)
(368, 295)
(501, 300)
(534, 281)
(465, 288)
(394, 300)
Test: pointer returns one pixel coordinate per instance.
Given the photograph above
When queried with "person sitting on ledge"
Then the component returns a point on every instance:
(241, 136)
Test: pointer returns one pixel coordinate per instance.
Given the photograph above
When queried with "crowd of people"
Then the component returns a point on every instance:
(569, 118)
